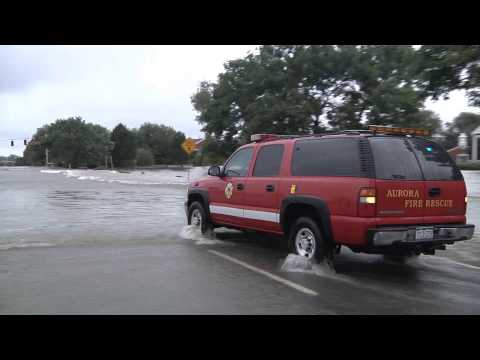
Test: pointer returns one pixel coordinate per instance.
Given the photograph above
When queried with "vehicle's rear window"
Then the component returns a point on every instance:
(435, 161)
(326, 157)
(394, 159)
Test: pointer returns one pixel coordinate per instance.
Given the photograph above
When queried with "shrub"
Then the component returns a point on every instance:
(144, 157)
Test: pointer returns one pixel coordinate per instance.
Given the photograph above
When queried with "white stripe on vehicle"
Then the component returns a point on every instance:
(224, 210)
(261, 215)
(246, 213)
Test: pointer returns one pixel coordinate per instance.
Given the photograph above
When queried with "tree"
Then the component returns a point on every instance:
(177, 155)
(144, 157)
(163, 141)
(34, 153)
(466, 123)
(71, 142)
(124, 150)
(303, 89)
(424, 119)
(19, 161)
(441, 69)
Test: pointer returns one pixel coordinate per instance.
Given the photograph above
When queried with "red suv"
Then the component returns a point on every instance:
(382, 191)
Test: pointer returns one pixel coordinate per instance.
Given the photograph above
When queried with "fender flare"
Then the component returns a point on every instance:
(204, 194)
(321, 209)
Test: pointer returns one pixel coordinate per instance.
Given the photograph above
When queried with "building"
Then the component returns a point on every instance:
(460, 152)
(476, 144)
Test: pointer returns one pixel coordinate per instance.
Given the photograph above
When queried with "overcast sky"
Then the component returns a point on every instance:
(112, 84)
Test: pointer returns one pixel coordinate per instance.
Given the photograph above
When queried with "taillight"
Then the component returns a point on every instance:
(366, 202)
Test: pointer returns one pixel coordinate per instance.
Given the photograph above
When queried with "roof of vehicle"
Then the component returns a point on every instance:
(282, 138)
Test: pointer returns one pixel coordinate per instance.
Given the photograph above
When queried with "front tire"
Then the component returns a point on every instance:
(307, 241)
(198, 217)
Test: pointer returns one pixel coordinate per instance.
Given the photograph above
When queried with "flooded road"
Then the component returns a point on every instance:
(102, 242)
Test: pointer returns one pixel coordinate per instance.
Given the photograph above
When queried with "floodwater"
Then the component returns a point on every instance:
(86, 241)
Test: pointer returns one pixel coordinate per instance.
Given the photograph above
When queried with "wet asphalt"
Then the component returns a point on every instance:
(180, 277)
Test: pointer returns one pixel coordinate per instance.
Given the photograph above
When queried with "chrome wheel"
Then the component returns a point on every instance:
(305, 243)
(196, 218)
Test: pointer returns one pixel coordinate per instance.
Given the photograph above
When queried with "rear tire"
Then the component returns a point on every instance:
(198, 217)
(306, 240)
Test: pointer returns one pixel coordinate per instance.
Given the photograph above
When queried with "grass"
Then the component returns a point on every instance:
(467, 166)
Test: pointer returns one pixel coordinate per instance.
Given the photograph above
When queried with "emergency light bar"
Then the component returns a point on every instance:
(396, 130)
(264, 137)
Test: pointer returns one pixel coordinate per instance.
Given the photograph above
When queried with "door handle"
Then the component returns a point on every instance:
(434, 192)
(240, 186)
(270, 188)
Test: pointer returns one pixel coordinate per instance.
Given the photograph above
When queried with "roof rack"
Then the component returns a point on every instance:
(372, 129)
(272, 137)
(397, 130)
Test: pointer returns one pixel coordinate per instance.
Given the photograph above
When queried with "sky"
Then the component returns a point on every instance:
(112, 84)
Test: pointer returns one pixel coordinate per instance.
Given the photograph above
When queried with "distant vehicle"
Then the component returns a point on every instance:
(380, 191)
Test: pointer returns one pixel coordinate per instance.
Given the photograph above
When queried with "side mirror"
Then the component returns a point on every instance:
(214, 170)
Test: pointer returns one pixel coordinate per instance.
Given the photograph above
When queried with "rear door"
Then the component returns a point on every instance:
(400, 188)
(445, 189)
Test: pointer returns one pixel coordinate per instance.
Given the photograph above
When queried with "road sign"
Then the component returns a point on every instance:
(189, 146)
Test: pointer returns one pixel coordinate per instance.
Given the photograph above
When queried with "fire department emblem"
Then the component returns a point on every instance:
(229, 190)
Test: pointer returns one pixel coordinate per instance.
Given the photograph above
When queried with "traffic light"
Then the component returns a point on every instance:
(25, 142)
(11, 143)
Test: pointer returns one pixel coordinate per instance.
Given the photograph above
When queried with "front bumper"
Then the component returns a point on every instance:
(406, 235)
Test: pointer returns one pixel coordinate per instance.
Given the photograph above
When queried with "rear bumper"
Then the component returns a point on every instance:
(406, 235)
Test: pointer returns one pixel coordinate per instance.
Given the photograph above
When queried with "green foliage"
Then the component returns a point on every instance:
(443, 68)
(424, 119)
(18, 160)
(468, 166)
(305, 89)
(213, 152)
(163, 141)
(144, 157)
(124, 145)
(34, 153)
(71, 142)
(466, 123)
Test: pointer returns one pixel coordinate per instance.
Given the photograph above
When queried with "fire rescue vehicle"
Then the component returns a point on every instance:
(383, 190)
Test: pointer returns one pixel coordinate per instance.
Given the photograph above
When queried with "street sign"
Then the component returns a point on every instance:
(189, 146)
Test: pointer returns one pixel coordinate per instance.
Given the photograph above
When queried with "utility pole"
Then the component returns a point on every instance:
(46, 157)
(106, 156)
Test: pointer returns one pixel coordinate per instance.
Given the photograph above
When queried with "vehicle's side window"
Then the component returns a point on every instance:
(326, 157)
(435, 161)
(269, 161)
(238, 164)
